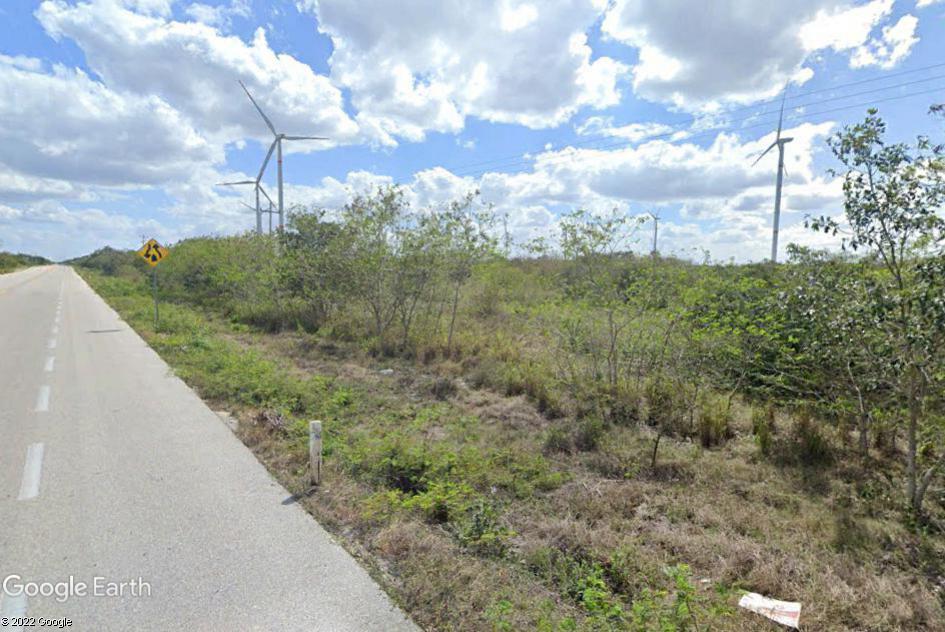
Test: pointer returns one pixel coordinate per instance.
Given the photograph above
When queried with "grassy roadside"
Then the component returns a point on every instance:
(477, 512)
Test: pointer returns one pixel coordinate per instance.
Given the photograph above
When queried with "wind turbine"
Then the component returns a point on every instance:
(258, 211)
(259, 189)
(656, 228)
(270, 211)
(276, 145)
(780, 142)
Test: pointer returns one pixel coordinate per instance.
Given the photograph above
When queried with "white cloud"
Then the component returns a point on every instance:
(703, 55)
(842, 28)
(717, 200)
(633, 132)
(426, 66)
(67, 233)
(64, 126)
(195, 68)
(921, 4)
(891, 47)
(220, 15)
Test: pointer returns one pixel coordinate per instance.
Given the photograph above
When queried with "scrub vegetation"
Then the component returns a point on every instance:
(10, 262)
(583, 438)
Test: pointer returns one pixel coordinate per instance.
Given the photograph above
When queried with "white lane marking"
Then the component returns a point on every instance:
(32, 472)
(52, 343)
(12, 607)
(55, 330)
(42, 400)
(50, 363)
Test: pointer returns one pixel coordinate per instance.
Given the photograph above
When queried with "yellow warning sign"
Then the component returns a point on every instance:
(153, 252)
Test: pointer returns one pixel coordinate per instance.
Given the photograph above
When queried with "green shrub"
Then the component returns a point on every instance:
(661, 405)
(558, 439)
(811, 447)
(714, 420)
(588, 433)
(624, 406)
(762, 427)
(441, 501)
(481, 531)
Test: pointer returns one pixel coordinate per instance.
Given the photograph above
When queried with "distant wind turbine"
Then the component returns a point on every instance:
(259, 189)
(780, 142)
(656, 228)
(270, 211)
(276, 145)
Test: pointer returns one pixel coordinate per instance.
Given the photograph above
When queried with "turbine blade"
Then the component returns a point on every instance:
(781, 115)
(263, 191)
(252, 208)
(258, 109)
(262, 169)
(230, 184)
(763, 153)
(304, 138)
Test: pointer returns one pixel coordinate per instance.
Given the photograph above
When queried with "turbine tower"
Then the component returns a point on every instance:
(780, 142)
(656, 228)
(259, 189)
(276, 145)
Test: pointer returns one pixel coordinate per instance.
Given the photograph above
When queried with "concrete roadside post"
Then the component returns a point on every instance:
(315, 450)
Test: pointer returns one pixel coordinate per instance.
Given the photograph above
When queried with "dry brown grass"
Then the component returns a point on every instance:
(738, 520)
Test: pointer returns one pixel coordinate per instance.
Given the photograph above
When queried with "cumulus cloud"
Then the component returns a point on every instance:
(414, 67)
(64, 126)
(67, 233)
(704, 55)
(220, 15)
(891, 47)
(194, 68)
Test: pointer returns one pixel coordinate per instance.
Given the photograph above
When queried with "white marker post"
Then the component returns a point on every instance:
(315, 450)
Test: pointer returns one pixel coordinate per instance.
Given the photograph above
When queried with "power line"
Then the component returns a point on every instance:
(678, 126)
(522, 163)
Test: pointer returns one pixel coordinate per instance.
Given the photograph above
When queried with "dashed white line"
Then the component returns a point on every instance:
(52, 343)
(42, 400)
(32, 472)
(50, 363)
(55, 330)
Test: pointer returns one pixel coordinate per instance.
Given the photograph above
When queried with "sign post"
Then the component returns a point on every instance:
(153, 253)
(154, 292)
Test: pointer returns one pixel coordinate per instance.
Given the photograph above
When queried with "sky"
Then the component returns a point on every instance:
(119, 117)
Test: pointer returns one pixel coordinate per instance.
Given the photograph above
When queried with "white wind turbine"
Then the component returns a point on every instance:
(276, 145)
(655, 216)
(259, 189)
(780, 142)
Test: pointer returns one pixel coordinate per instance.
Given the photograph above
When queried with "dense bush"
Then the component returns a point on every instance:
(10, 261)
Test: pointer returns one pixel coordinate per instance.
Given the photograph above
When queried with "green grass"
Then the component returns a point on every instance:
(481, 505)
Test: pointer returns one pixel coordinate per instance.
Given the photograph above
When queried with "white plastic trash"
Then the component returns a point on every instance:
(785, 612)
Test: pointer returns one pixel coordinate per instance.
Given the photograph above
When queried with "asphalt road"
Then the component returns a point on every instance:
(112, 468)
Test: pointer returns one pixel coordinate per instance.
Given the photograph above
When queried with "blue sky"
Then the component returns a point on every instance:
(118, 116)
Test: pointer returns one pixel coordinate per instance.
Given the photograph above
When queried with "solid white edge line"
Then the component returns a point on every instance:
(42, 400)
(32, 472)
(50, 364)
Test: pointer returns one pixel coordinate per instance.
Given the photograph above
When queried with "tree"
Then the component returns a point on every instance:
(892, 196)
(597, 247)
(467, 243)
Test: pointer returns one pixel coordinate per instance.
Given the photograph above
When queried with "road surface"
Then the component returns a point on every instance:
(115, 475)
